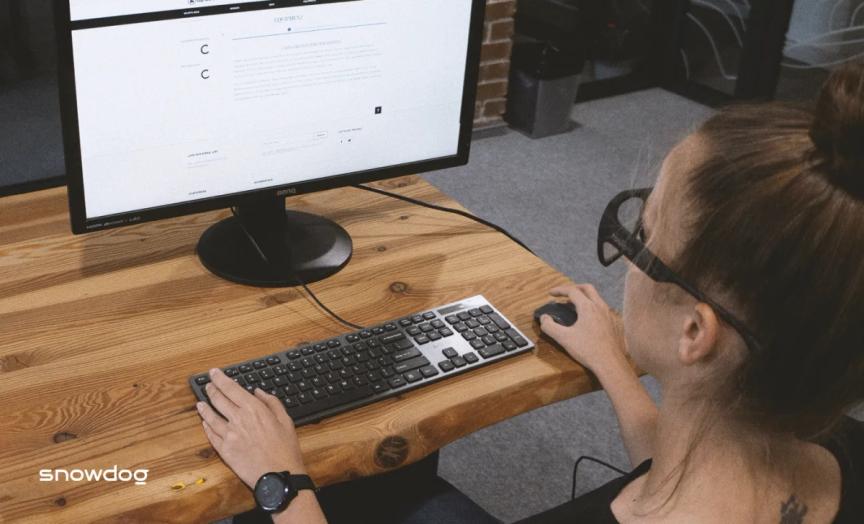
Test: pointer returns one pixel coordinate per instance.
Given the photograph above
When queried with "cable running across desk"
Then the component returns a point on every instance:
(396, 196)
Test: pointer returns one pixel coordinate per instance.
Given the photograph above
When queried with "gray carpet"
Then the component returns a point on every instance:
(550, 193)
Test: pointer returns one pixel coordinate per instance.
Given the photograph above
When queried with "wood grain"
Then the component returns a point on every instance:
(99, 333)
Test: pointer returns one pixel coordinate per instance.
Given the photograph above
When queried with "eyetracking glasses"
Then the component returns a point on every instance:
(622, 233)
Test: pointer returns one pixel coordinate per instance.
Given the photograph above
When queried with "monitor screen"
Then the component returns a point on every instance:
(183, 101)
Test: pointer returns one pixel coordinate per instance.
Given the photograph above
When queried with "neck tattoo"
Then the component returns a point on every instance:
(792, 511)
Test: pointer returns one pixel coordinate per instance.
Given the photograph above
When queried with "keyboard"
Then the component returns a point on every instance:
(325, 378)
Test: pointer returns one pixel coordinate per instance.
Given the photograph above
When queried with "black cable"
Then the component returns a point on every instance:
(296, 278)
(592, 459)
(447, 210)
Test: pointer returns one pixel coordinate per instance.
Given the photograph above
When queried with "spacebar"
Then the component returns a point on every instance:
(324, 404)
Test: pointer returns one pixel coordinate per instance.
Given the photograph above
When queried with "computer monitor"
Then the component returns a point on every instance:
(173, 107)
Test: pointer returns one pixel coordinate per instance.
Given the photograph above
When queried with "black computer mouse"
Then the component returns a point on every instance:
(564, 314)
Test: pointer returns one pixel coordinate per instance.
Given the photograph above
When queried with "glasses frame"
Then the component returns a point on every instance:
(631, 245)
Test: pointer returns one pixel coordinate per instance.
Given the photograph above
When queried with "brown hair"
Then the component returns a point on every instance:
(778, 224)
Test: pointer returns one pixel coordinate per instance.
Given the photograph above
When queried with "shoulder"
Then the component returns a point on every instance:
(846, 442)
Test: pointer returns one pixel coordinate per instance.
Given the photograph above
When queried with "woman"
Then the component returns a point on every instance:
(744, 298)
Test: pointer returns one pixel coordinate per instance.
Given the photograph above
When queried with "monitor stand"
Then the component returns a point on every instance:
(292, 247)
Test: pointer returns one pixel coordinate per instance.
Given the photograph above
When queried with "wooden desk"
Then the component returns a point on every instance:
(99, 333)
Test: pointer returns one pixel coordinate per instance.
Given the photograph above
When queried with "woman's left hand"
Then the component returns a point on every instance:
(254, 434)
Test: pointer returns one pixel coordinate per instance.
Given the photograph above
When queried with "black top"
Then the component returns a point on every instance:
(846, 444)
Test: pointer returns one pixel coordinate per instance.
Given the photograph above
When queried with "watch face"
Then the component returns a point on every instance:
(272, 492)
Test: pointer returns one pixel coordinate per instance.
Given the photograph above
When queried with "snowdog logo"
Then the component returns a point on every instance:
(112, 474)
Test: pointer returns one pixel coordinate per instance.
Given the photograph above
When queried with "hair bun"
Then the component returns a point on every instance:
(838, 128)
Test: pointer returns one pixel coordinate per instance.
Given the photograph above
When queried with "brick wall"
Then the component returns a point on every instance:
(495, 63)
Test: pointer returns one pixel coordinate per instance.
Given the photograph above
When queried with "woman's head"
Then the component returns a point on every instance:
(763, 210)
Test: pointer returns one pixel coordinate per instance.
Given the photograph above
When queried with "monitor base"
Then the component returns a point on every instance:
(290, 248)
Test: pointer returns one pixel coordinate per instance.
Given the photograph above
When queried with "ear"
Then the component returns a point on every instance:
(699, 335)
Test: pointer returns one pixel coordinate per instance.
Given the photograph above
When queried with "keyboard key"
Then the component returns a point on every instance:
(473, 324)
(500, 322)
(469, 336)
(405, 322)
(335, 343)
(445, 332)
(452, 319)
(290, 402)
(281, 381)
(273, 361)
(422, 339)
(305, 398)
(475, 312)
(437, 324)
(266, 373)
(202, 380)
(429, 315)
(492, 328)
(501, 337)
(491, 351)
(484, 321)
(390, 327)
(450, 353)
(470, 357)
(487, 310)
(509, 345)
(231, 372)
(353, 337)
(378, 330)
(413, 376)
(460, 327)
(459, 362)
(332, 389)
(477, 344)
(481, 332)
(245, 368)
(426, 328)
(463, 316)
(380, 387)
(397, 382)
(413, 331)
(318, 393)
(429, 371)
(488, 340)
(434, 335)
(294, 355)
(307, 351)
(405, 355)
(392, 337)
(417, 319)
(408, 365)
(521, 342)
(446, 366)
(402, 345)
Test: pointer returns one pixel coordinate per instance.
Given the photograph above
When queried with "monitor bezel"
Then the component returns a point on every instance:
(74, 168)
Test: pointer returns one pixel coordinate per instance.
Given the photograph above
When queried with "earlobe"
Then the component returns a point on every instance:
(698, 336)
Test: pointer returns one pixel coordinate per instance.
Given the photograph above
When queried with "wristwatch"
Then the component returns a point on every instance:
(274, 491)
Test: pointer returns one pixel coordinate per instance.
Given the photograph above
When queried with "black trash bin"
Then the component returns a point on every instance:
(549, 53)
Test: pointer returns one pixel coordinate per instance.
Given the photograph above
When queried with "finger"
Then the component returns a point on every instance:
(231, 389)
(214, 439)
(208, 415)
(272, 403)
(562, 291)
(592, 293)
(221, 402)
(550, 327)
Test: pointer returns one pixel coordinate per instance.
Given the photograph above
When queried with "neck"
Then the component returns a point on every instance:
(700, 450)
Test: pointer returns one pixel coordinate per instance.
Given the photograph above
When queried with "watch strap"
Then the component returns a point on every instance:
(300, 482)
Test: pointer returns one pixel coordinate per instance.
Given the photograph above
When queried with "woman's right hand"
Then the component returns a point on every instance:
(596, 340)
